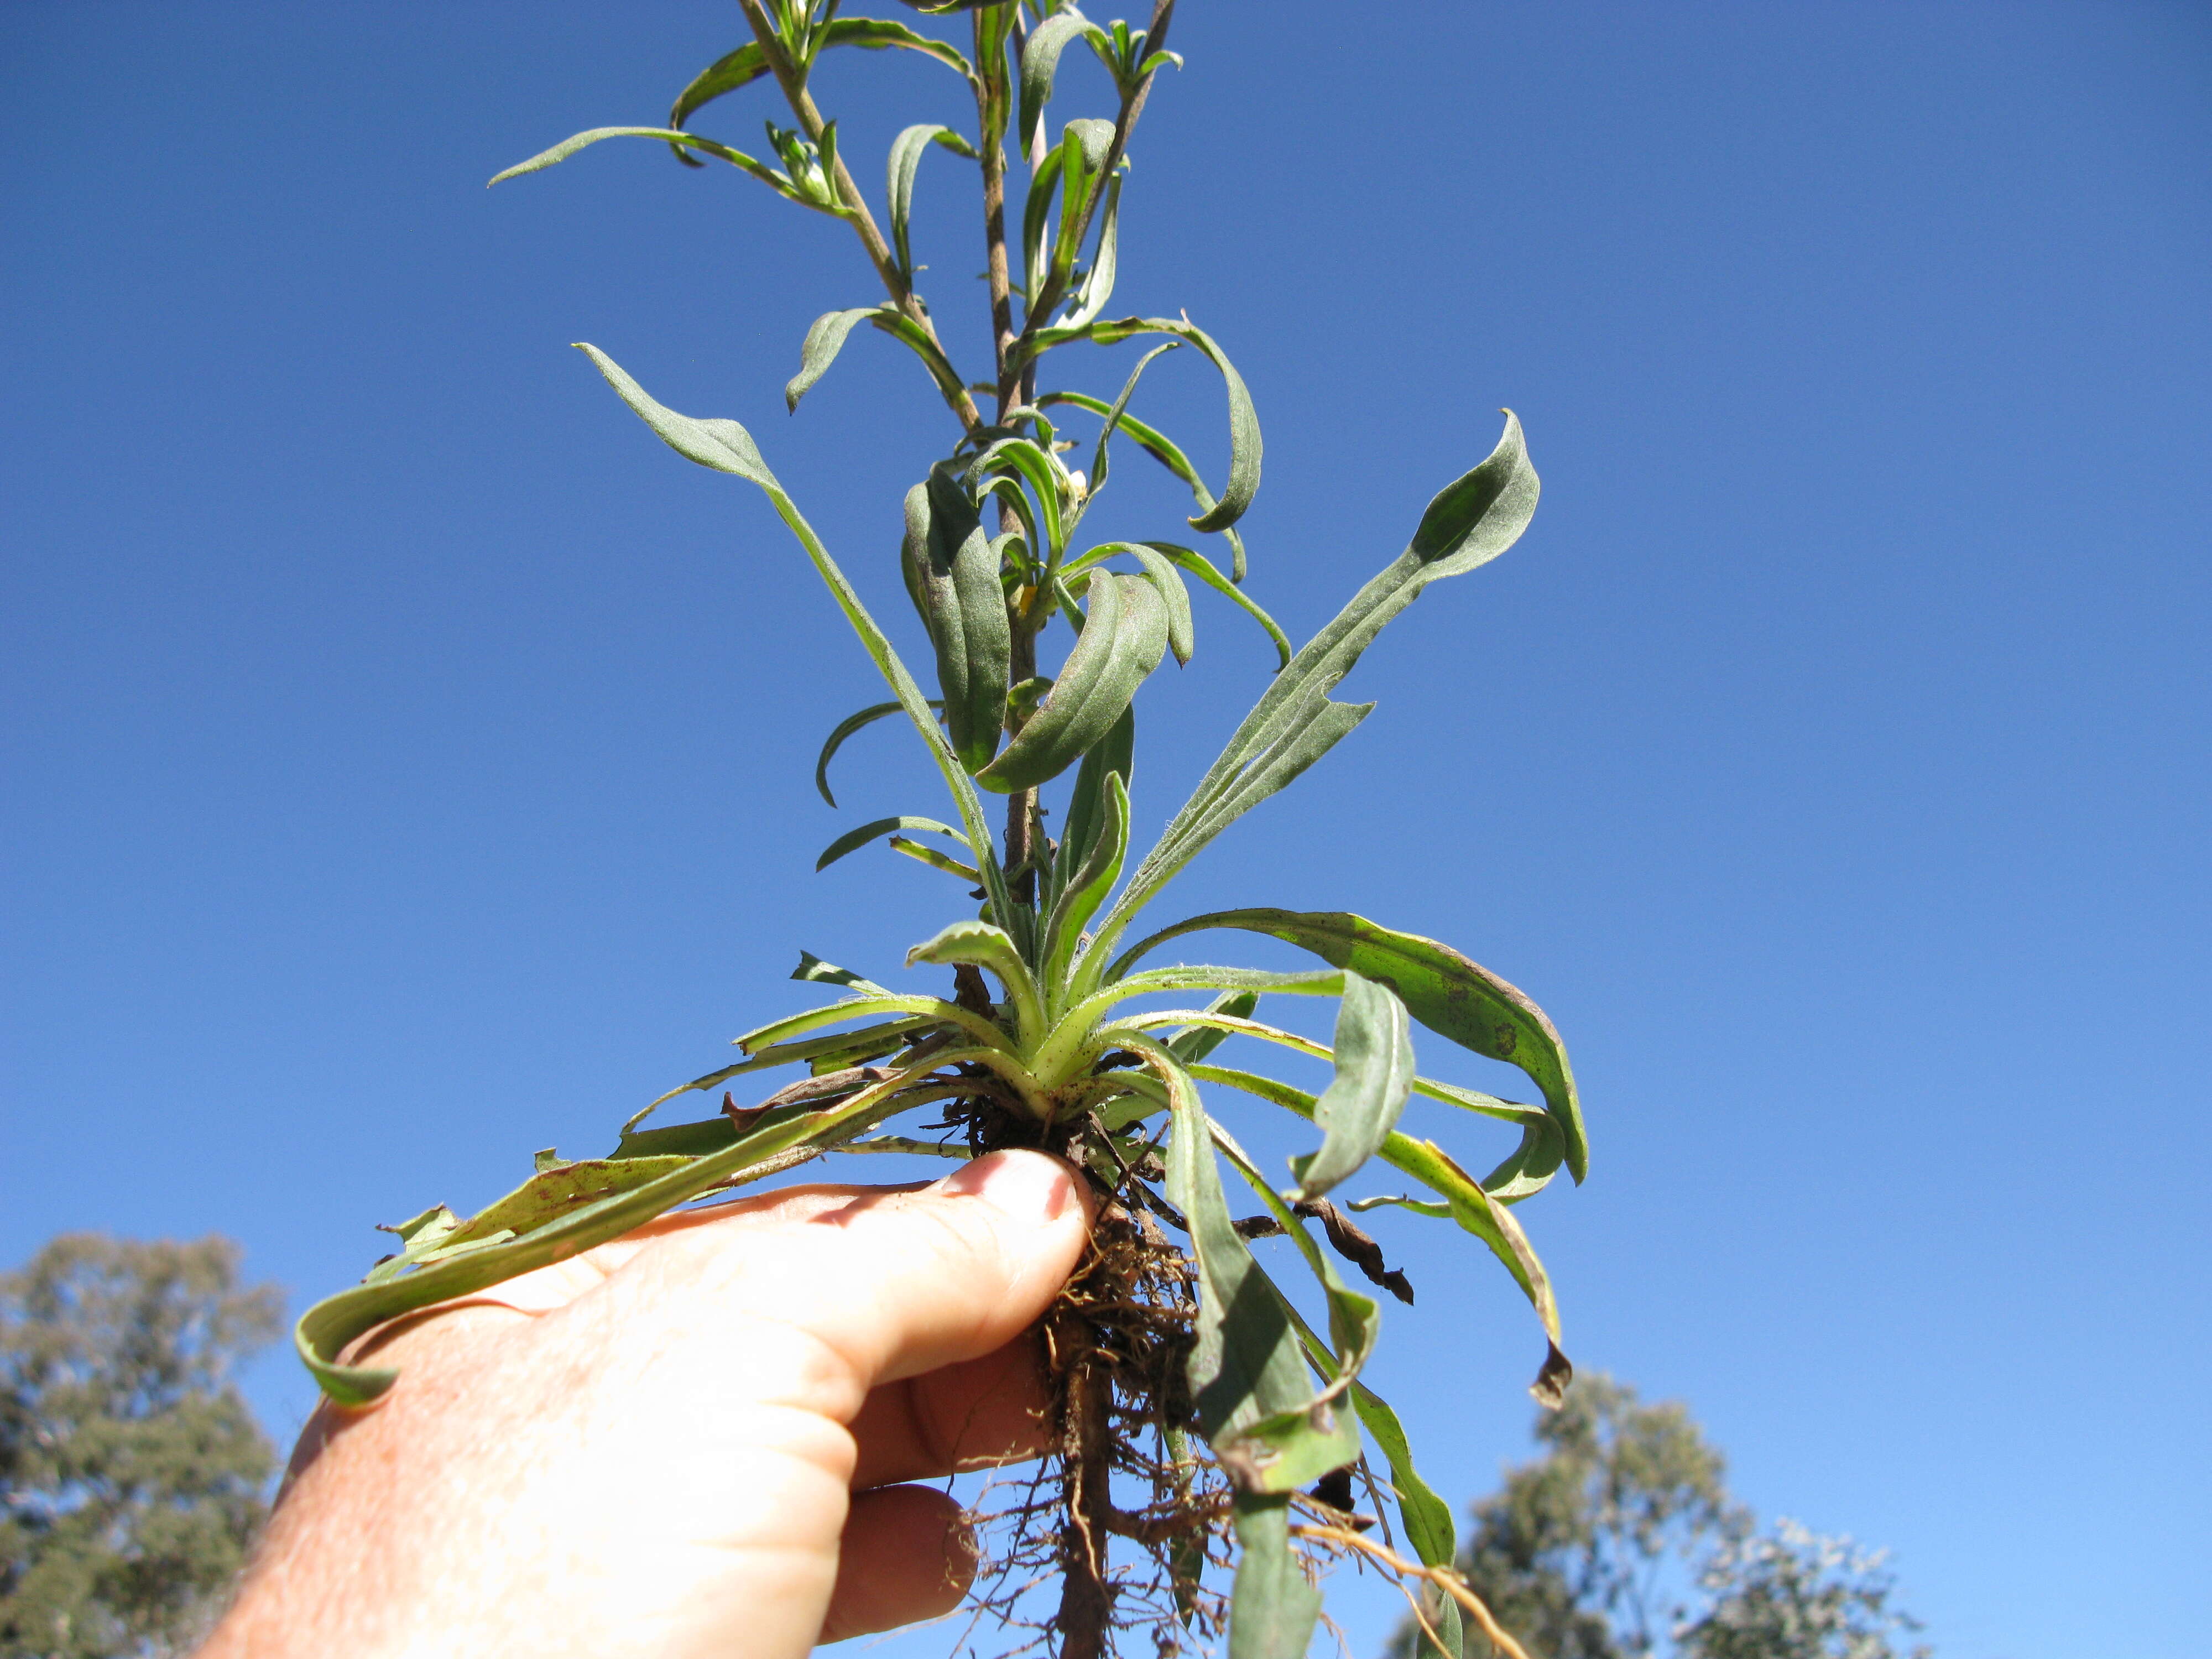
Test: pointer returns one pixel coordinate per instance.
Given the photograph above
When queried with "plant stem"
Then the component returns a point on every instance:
(1053, 290)
(855, 205)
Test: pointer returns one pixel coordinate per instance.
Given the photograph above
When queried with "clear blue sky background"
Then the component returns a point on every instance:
(406, 756)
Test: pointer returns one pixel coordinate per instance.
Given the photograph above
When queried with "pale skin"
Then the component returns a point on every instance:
(697, 1440)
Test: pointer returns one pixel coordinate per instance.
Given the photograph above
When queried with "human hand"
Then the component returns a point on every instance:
(688, 1442)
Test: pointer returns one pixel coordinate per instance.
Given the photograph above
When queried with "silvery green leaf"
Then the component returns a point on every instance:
(679, 142)
(936, 860)
(982, 945)
(1097, 286)
(1374, 1076)
(905, 160)
(1445, 991)
(1273, 1609)
(1245, 445)
(1203, 567)
(853, 840)
(1123, 638)
(825, 338)
(1469, 522)
(568, 1225)
(1040, 62)
(1088, 883)
(727, 447)
(1163, 450)
(1084, 144)
(846, 728)
(1194, 1045)
(725, 74)
(1114, 753)
(954, 573)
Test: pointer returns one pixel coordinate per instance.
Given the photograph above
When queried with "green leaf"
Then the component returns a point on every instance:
(1202, 568)
(677, 141)
(1122, 640)
(1084, 144)
(853, 840)
(1194, 1045)
(727, 447)
(1040, 62)
(1097, 287)
(906, 154)
(1245, 1365)
(812, 970)
(1245, 445)
(1374, 1075)
(1086, 888)
(1442, 989)
(1272, 1608)
(727, 73)
(846, 728)
(1102, 455)
(1474, 1210)
(954, 576)
(1182, 638)
(935, 860)
(1163, 450)
(982, 945)
(825, 338)
(1469, 522)
(878, 33)
(1047, 479)
(1086, 808)
(325, 1329)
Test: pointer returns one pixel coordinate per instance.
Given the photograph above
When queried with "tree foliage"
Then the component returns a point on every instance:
(131, 1472)
(1621, 1541)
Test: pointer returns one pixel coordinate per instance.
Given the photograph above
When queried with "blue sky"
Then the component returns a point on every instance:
(406, 758)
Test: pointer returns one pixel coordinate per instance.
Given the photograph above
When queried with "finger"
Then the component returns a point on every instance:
(907, 1553)
(973, 1415)
(891, 1286)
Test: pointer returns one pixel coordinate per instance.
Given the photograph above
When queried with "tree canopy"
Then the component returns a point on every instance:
(131, 1472)
(1621, 1541)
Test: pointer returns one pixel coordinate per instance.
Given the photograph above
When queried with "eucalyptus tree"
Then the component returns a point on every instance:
(1196, 1403)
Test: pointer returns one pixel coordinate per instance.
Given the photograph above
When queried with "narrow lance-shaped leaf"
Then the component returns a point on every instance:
(825, 338)
(725, 74)
(1089, 884)
(1446, 991)
(1169, 454)
(1245, 445)
(853, 840)
(1084, 144)
(1203, 567)
(679, 141)
(1040, 62)
(746, 65)
(1098, 283)
(846, 728)
(1122, 640)
(954, 575)
(905, 160)
(1245, 1365)
(1114, 753)
(983, 946)
(725, 447)
(1374, 1076)
(1102, 453)
(326, 1328)
(1474, 1210)
(1469, 522)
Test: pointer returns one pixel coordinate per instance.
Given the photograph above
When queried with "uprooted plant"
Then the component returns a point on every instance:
(1201, 1417)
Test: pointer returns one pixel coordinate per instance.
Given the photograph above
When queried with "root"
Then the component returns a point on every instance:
(1125, 1513)
(1444, 1578)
